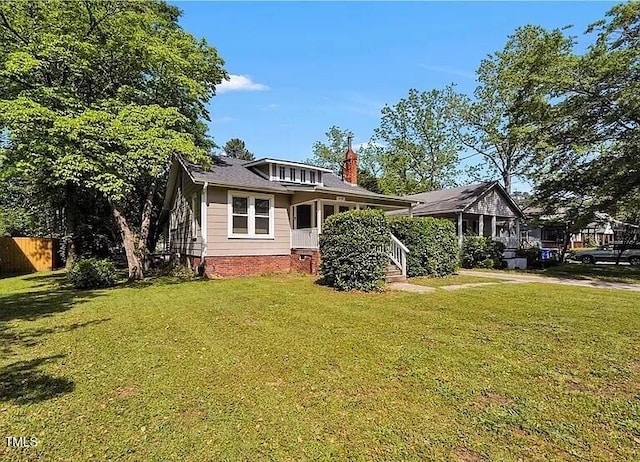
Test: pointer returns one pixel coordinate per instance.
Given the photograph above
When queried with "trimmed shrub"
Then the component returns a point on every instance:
(481, 252)
(432, 243)
(92, 273)
(353, 249)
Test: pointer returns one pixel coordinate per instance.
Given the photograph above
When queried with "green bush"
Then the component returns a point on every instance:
(174, 269)
(354, 250)
(432, 243)
(481, 252)
(92, 273)
(533, 256)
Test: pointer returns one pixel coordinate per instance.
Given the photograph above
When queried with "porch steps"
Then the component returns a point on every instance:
(394, 274)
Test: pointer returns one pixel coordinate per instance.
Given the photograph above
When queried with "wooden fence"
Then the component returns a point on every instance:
(28, 254)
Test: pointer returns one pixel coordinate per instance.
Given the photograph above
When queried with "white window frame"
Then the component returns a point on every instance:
(251, 215)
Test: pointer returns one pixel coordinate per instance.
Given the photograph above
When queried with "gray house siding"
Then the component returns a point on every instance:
(492, 203)
(184, 237)
(218, 242)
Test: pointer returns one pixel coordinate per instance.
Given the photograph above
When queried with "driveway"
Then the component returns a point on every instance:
(551, 280)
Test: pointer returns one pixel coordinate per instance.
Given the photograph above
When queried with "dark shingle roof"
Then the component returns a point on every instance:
(231, 172)
(228, 171)
(448, 200)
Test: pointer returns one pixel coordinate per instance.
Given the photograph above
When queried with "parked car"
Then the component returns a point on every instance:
(610, 253)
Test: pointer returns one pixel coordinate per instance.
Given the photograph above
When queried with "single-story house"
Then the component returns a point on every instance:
(483, 209)
(252, 217)
(548, 231)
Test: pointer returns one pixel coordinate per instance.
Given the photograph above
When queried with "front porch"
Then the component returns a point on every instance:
(306, 218)
(499, 228)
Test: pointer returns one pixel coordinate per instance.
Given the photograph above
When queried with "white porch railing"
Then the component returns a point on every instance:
(398, 254)
(510, 242)
(306, 238)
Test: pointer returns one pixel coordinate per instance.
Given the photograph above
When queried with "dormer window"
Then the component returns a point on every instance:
(287, 171)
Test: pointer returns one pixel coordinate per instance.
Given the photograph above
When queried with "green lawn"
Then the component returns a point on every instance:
(281, 368)
(452, 280)
(609, 273)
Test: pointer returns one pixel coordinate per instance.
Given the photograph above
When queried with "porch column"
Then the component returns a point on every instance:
(493, 226)
(460, 237)
(411, 210)
(518, 230)
(319, 215)
(481, 225)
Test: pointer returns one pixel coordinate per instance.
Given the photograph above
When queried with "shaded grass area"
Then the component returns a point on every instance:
(281, 368)
(608, 273)
(452, 280)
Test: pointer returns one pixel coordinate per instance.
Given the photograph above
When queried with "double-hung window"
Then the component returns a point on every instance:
(303, 176)
(282, 174)
(312, 176)
(250, 215)
(292, 174)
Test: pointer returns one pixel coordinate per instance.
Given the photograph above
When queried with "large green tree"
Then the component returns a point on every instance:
(330, 154)
(592, 137)
(417, 150)
(499, 122)
(98, 96)
(237, 149)
(587, 154)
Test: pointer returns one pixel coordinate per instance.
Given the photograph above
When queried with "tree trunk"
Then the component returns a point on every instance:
(567, 241)
(145, 224)
(506, 177)
(71, 221)
(133, 261)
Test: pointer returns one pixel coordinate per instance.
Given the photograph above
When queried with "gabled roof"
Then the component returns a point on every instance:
(230, 172)
(457, 199)
(236, 173)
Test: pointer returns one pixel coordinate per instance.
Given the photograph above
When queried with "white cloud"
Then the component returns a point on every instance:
(240, 83)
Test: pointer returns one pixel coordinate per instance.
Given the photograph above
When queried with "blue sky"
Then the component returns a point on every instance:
(299, 68)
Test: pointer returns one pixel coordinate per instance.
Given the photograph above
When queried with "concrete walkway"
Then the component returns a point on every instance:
(406, 287)
(551, 280)
(511, 278)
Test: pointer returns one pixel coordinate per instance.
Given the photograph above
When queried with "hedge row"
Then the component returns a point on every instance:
(432, 243)
(354, 246)
(481, 252)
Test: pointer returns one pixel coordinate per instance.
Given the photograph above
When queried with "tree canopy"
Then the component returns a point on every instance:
(236, 148)
(98, 96)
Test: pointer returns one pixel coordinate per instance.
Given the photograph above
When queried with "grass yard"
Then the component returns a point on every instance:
(608, 273)
(281, 368)
(452, 280)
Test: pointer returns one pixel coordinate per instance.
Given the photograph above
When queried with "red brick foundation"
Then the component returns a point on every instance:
(305, 261)
(300, 261)
(246, 265)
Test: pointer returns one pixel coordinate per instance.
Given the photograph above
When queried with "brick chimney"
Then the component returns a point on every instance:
(350, 165)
